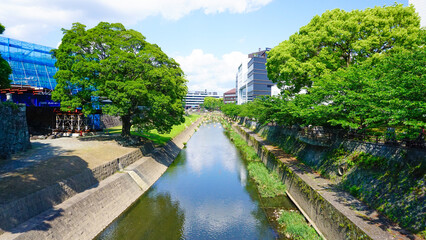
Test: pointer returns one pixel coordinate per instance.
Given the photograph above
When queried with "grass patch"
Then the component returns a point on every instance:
(268, 184)
(156, 137)
(296, 226)
(246, 151)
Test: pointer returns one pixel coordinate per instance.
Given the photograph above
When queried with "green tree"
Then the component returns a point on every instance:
(108, 62)
(387, 90)
(231, 110)
(5, 69)
(338, 39)
(212, 103)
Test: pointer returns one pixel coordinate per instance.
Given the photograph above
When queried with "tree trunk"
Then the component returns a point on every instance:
(125, 132)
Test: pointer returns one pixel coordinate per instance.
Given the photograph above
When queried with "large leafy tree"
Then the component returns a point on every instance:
(212, 103)
(338, 39)
(115, 68)
(5, 69)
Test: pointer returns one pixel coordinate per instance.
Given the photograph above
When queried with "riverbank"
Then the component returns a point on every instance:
(335, 213)
(289, 222)
(89, 209)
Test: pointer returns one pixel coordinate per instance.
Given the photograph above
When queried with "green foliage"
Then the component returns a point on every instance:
(368, 161)
(338, 39)
(296, 226)
(231, 110)
(354, 191)
(5, 69)
(12, 105)
(383, 91)
(109, 62)
(246, 151)
(397, 191)
(156, 137)
(268, 184)
(212, 103)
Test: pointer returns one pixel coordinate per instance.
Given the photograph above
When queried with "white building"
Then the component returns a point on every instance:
(420, 6)
(241, 82)
(252, 79)
(193, 99)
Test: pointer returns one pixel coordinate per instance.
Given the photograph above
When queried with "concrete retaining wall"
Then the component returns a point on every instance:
(331, 211)
(20, 210)
(313, 151)
(86, 214)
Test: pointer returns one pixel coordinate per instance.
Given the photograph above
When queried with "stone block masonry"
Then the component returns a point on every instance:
(14, 136)
(336, 214)
(86, 214)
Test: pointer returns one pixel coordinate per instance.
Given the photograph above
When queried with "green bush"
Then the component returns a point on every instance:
(296, 226)
(269, 184)
(367, 161)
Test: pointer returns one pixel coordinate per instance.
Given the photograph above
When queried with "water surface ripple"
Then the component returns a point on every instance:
(205, 194)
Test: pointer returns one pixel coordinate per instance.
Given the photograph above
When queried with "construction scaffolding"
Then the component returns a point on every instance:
(76, 122)
(31, 64)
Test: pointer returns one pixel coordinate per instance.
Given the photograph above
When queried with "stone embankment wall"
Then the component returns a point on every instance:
(313, 151)
(334, 213)
(14, 136)
(20, 210)
(108, 121)
(86, 214)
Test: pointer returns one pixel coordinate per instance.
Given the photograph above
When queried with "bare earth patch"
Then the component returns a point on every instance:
(51, 160)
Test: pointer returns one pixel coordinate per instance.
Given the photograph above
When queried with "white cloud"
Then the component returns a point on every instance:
(206, 71)
(24, 18)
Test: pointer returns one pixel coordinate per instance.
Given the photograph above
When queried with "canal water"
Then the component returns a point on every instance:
(205, 194)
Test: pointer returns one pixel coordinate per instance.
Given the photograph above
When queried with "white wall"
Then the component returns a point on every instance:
(420, 6)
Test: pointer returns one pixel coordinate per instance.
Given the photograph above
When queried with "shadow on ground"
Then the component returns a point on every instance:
(25, 193)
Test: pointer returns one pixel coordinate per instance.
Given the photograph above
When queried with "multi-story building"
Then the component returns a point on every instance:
(193, 99)
(252, 80)
(31, 64)
(230, 96)
(32, 82)
(420, 6)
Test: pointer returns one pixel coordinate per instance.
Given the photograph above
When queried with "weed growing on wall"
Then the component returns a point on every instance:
(296, 226)
(12, 105)
(269, 185)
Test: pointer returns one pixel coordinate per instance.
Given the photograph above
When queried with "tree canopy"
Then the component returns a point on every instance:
(338, 39)
(212, 103)
(5, 69)
(362, 70)
(116, 68)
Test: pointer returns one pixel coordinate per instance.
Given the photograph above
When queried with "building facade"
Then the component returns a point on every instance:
(252, 80)
(230, 96)
(420, 6)
(193, 99)
(32, 64)
(32, 82)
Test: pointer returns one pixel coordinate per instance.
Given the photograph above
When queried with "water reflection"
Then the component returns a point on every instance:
(145, 218)
(208, 193)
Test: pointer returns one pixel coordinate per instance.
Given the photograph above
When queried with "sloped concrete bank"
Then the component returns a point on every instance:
(84, 215)
(334, 213)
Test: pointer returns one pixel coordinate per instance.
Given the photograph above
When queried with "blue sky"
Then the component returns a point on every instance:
(209, 38)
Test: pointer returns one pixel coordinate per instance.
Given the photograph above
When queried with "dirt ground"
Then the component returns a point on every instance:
(51, 160)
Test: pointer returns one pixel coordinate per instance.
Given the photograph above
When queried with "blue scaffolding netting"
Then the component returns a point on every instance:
(31, 64)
